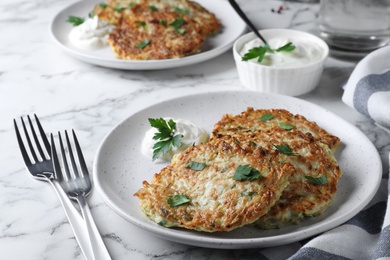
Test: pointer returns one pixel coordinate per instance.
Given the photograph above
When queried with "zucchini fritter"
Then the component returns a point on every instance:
(311, 159)
(156, 35)
(217, 201)
(251, 119)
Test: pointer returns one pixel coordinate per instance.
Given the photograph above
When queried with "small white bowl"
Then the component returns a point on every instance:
(292, 81)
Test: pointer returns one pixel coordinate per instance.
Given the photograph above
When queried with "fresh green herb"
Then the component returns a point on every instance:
(266, 117)
(285, 149)
(166, 135)
(103, 5)
(91, 15)
(143, 44)
(118, 8)
(177, 23)
(318, 180)
(76, 21)
(259, 52)
(143, 24)
(177, 200)
(163, 22)
(287, 126)
(132, 4)
(153, 8)
(162, 222)
(196, 166)
(181, 11)
(286, 48)
(246, 172)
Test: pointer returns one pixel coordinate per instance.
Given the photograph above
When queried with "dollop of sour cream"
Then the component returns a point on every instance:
(190, 135)
(306, 52)
(91, 34)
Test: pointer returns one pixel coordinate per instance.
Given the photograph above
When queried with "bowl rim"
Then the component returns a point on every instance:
(250, 36)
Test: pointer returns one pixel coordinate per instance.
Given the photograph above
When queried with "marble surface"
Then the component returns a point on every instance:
(37, 77)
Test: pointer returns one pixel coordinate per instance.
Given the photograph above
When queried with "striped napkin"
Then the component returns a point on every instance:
(368, 88)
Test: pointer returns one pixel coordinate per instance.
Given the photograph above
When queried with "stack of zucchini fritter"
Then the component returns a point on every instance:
(267, 167)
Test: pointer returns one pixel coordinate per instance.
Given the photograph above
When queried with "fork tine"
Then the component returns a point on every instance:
(83, 165)
(56, 162)
(64, 160)
(71, 155)
(32, 150)
(37, 143)
(42, 133)
(25, 156)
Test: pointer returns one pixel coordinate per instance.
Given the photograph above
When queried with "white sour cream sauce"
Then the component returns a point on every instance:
(91, 34)
(191, 134)
(306, 52)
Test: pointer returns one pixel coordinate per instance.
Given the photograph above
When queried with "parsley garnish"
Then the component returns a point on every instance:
(266, 117)
(285, 149)
(163, 22)
(132, 4)
(118, 8)
(142, 44)
(259, 52)
(177, 23)
(153, 8)
(76, 21)
(166, 135)
(143, 24)
(246, 172)
(287, 126)
(196, 166)
(317, 181)
(177, 200)
(103, 5)
(181, 11)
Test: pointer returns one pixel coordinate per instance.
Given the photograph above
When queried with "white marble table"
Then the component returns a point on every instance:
(37, 77)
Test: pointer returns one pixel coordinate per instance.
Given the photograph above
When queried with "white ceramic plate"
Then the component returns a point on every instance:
(120, 168)
(232, 28)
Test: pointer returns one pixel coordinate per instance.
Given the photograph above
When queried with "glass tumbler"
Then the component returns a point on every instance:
(355, 25)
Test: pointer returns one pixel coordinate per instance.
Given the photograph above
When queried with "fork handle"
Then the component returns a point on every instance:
(99, 250)
(74, 218)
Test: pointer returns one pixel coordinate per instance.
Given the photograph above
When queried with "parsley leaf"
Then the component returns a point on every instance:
(165, 135)
(287, 126)
(285, 149)
(153, 8)
(76, 21)
(259, 52)
(196, 166)
(118, 8)
(266, 117)
(143, 44)
(163, 22)
(177, 200)
(246, 172)
(179, 21)
(103, 5)
(143, 24)
(286, 48)
(181, 11)
(131, 4)
(317, 181)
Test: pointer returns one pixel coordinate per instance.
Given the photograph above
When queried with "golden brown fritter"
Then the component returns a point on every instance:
(156, 35)
(311, 159)
(263, 119)
(217, 202)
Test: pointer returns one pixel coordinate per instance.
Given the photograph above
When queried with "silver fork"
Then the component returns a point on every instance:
(74, 177)
(40, 166)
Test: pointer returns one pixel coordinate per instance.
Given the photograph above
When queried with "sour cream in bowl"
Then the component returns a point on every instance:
(292, 73)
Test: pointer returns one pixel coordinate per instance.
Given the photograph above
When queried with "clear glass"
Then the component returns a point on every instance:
(356, 25)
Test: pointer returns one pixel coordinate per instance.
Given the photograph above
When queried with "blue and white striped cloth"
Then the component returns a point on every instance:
(368, 88)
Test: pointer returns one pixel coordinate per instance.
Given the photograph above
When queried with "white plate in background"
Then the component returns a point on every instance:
(232, 28)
